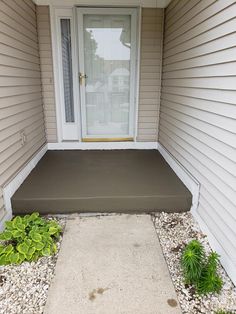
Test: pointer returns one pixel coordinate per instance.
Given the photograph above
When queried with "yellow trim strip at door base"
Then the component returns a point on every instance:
(116, 139)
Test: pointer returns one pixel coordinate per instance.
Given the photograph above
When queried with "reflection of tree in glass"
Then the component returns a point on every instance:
(93, 63)
(125, 38)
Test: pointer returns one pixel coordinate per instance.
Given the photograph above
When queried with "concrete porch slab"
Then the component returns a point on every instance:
(127, 181)
(111, 264)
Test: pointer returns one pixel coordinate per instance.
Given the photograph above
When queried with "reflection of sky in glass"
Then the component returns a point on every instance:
(109, 46)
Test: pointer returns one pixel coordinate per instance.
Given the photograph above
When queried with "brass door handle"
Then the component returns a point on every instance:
(82, 77)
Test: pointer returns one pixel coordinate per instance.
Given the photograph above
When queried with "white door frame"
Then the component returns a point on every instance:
(73, 131)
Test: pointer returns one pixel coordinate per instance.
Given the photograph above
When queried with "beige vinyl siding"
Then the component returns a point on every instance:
(21, 107)
(150, 74)
(45, 52)
(198, 108)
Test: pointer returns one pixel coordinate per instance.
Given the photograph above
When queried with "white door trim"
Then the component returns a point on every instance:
(138, 36)
(143, 3)
(133, 64)
(66, 130)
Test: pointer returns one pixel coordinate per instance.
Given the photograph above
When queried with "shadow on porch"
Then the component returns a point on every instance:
(102, 181)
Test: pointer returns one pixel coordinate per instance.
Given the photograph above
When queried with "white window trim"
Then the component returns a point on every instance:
(73, 131)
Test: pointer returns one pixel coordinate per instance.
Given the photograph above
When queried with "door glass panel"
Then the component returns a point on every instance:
(67, 70)
(107, 45)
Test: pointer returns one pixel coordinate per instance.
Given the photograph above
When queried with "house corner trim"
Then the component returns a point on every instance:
(184, 175)
(10, 188)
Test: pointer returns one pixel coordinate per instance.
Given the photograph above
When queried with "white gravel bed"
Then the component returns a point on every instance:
(175, 231)
(24, 288)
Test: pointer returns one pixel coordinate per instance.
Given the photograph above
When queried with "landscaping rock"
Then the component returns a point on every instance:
(24, 288)
(175, 231)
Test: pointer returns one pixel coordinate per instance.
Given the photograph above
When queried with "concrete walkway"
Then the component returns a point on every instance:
(111, 265)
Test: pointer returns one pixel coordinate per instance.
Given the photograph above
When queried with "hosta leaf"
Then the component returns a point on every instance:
(28, 242)
(31, 250)
(17, 220)
(26, 219)
(21, 258)
(36, 237)
(46, 237)
(49, 240)
(8, 249)
(43, 229)
(38, 245)
(6, 235)
(34, 216)
(20, 226)
(34, 228)
(28, 257)
(39, 221)
(54, 248)
(14, 258)
(3, 260)
(9, 225)
(35, 256)
(23, 248)
(46, 251)
(52, 230)
(18, 234)
(2, 249)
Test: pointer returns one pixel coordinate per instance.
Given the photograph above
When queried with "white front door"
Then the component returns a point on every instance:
(107, 57)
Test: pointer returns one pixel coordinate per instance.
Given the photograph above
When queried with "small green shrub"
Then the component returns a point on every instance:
(28, 238)
(210, 281)
(192, 261)
(223, 312)
(200, 270)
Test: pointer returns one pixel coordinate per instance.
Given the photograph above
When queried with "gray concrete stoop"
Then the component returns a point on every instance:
(108, 181)
(111, 265)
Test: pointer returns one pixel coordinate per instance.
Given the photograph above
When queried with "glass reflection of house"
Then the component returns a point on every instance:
(108, 100)
(118, 86)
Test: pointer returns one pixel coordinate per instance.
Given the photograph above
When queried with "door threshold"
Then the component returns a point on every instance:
(117, 139)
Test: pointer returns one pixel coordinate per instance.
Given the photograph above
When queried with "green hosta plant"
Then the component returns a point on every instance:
(28, 238)
(200, 270)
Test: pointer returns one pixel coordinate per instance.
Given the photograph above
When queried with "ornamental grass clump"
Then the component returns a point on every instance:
(27, 238)
(200, 270)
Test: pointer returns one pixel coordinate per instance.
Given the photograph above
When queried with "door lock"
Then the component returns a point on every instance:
(82, 77)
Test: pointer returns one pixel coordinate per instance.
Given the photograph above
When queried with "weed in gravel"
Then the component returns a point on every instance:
(200, 270)
(210, 281)
(192, 261)
(223, 312)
